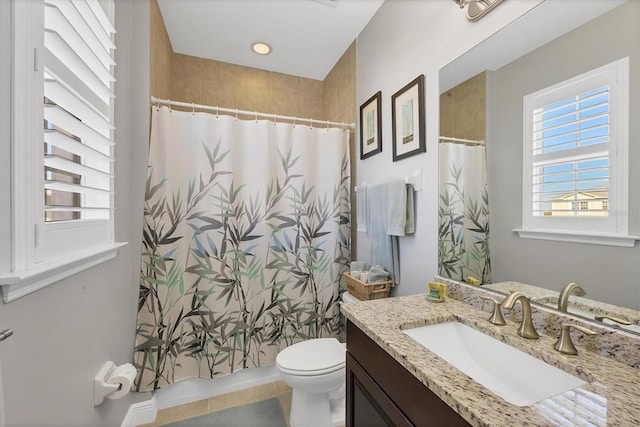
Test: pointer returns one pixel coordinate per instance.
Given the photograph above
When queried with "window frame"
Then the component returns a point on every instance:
(612, 229)
(35, 260)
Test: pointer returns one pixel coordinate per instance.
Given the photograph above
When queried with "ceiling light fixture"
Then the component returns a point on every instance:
(476, 9)
(261, 48)
(332, 3)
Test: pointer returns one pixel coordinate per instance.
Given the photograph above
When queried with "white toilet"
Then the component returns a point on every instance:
(315, 370)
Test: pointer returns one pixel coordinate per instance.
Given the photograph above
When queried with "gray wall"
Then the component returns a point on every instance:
(607, 273)
(65, 332)
(405, 39)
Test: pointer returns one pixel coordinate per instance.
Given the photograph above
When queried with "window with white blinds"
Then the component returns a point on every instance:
(78, 96)
(575, 145)
(62, 173)
(571, 143)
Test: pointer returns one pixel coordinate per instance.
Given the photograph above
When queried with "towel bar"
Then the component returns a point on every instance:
(5, 334)
(415, 180)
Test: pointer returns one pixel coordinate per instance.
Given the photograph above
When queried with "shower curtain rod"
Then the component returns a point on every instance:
(462, 140)
(275, 117)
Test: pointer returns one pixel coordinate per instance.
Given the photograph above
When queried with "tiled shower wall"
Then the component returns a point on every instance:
(340, 106)
(161, 54)
(463, 109)
(209, 82)
(203, 81)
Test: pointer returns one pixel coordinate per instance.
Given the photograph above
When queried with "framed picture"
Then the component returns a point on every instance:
(407, 120)
(371, 126)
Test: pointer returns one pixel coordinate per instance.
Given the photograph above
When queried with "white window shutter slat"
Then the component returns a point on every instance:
(57, 23)
(73, 146)
(78, 91)
(94, 24)
(57, 92)
(89, 136)
(72, 15)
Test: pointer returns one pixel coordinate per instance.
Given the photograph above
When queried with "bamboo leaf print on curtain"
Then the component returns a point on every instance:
(246, 236)
(463, 212)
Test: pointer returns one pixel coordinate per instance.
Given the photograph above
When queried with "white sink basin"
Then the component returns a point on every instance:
(517, 377)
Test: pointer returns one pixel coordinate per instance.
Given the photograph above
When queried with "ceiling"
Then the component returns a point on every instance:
(307, 37)
(542, 24)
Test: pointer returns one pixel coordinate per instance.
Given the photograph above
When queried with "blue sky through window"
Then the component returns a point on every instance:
(568, 124)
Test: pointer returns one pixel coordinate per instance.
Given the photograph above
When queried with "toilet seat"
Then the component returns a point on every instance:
(317, 356)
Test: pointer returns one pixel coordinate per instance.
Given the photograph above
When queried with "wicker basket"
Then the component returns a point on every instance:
(367, 291)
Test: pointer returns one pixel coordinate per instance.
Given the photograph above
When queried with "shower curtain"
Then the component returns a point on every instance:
(463, 247)
(246, 236)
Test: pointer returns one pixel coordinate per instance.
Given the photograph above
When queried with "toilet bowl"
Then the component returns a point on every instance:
(315, 371)
(347, 297)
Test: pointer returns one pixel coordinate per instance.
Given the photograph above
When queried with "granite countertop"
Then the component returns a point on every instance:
(609, 398)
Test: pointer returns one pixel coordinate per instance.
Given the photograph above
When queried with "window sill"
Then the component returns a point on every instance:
(574, 237)
(18, 284)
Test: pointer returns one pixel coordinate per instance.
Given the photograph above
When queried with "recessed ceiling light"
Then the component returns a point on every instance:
(261, 48)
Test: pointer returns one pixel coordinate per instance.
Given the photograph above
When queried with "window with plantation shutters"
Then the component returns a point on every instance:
(575, 156)
(571, 143)
(78, 79)
(62, 201)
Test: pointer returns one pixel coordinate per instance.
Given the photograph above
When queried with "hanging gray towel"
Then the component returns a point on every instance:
(361, 208)
(410, 226)
(383, 247)
(401, 218)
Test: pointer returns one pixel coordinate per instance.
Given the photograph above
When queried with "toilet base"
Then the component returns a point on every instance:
(316, 410)
(338, 411)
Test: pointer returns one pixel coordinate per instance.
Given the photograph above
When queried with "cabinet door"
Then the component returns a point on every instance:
(394, 392)
(367, 404)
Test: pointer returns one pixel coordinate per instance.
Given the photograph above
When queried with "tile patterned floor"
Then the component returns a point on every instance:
(238, 398)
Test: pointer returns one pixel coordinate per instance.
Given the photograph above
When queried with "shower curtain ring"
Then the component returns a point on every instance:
(275, 119)
(217, 112)
(193, 108)
(311, 124)
(256, 117)
(294, 121)
(236, 114)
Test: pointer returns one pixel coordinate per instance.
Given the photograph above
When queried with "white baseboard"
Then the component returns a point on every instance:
(194, 389)
(141, 413)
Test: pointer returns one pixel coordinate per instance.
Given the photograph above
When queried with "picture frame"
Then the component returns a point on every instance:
(407, 120)
(371, 126)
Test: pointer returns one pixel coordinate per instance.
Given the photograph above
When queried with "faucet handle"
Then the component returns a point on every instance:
(601, 317)
(496, 318)
(564, 344)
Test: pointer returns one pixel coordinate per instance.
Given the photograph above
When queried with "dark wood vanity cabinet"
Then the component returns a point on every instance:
(381, 392)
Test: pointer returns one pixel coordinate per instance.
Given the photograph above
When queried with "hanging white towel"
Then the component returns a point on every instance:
(361, 208)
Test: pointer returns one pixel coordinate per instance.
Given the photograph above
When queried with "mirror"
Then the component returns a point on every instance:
(481, 106)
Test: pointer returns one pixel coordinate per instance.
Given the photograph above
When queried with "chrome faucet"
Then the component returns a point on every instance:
(571, 288)
(526, 330)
